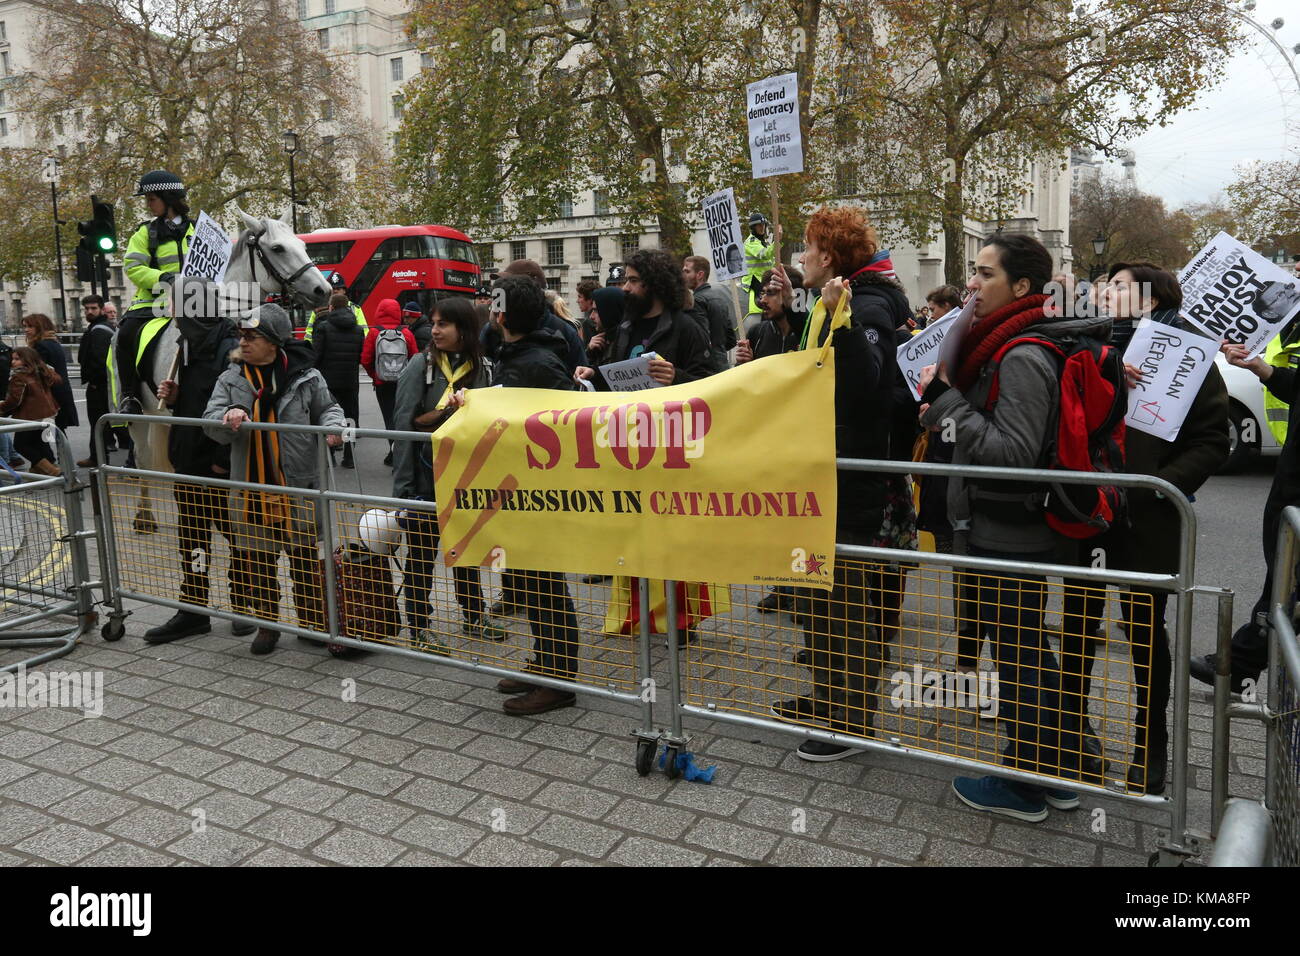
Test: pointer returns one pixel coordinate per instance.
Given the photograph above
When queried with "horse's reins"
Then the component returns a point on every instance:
(284, 282)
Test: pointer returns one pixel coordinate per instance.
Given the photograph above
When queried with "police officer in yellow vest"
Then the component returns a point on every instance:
(155, 255)
(1282, 352)
(760, 256)
(338, 284)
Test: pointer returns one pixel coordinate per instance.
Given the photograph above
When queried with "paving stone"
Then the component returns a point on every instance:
(11, 770)
(504, 816)
(66, 757)
(440, 835)
(332, 709)
(117, 773)
(875, 837)
(498, 750)
(182, 698)
(160, 719)
(41, 789)
(371, 777)
(443, 711)
(952, 853)
(125, 854)
(624, 779)
(63, 843)
(306, 795)
(369, 813)
(568, 766)
(642, 851)
(93, 808)
(580, 801)
(518, 784)
(192, 760)
(93, 732)
(864, 803)
(261, 747)
(1028, 840)
(578, 836)
(721, 749)
(435, 795)
(290, 827)
(212, 733)
(418, 858)
(142, 745)
(215, 847)
(314, 762)
(249, 778)
(565, 738)
(723, 837)
(654, 818)
(708, 798)
(228, 809)
(226, 709)
(320, 733)
(276, 857)
(441, 764)
(497, 849)
(272, 721)
(380, 749)
(783, 816)
(959, 824)
(797, 852)
(17, 822)
(905, 785)
(170, 790)
(440, 736)
(772, 783)
(151, 826)
(356, 848)
(23, 743)
(385, 722)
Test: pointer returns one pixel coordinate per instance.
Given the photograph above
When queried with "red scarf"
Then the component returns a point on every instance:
(992, 332)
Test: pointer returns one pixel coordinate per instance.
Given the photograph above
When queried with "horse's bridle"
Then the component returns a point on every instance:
(284, 281)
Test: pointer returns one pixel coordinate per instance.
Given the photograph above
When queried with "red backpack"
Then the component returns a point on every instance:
(1089, 432)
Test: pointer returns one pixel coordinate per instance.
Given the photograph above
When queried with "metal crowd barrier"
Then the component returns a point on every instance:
(168, 541)
(46, 592)
(1248, 836)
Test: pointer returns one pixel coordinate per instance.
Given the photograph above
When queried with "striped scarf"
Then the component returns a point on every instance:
(264, 507)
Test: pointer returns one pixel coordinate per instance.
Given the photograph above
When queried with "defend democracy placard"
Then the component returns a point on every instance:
(772, 109)
(1173, 364)
(726, 254)
(678, 483)
(1232, 292)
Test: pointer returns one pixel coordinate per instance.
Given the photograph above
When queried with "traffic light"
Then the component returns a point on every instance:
(99, 233)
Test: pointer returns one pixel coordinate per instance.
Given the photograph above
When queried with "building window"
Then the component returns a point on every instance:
(323, 38)
(117, 275)
(553, 284)
(487, 256)
(327, 148)
(329, 7)
(397, 106)
(566, 207)
(2, 99)
(326, 110)
(3, 35)
(4, 126)
(555, 252)
(302, 9)
(628, 245)
(600, 199)
(4, 62)
(499, 212)
(590, 248)
(395, 66)
(518, 250)
(426, 61)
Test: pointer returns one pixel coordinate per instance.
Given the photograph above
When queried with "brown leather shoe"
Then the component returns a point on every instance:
(538, 701)
(512, 685)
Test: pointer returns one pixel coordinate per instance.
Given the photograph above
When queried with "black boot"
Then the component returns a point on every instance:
(182, 624)
(1147, 774)
(347, 456)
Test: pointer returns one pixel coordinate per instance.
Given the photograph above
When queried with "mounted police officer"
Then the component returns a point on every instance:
(155, 255)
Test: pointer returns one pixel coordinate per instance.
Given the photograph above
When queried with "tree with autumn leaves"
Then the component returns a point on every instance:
(929, 111)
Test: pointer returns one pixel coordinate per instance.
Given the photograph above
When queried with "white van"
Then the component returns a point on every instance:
(1248, 425)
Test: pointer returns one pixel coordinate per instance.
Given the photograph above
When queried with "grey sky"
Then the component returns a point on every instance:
(1240, 120)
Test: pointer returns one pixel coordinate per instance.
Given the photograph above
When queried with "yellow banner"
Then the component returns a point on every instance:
(730, 479)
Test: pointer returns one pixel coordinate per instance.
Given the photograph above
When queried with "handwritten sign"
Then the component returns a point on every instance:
(630, 376)
(209, 252)
(775, 142)
(922, 349)
(1173, 363)
(726, 252)
(1232, 292)
(950, 348)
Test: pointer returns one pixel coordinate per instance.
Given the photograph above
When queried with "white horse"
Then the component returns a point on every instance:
(267, 258)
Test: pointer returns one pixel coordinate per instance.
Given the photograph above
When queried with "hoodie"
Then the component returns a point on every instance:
(387, 316)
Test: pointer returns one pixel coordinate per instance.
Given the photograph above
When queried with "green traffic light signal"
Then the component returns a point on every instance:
(107, 244)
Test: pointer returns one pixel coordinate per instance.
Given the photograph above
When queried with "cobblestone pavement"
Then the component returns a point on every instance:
(205, 754)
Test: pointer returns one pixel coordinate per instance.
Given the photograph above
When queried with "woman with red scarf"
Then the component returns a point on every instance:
(1009, 428)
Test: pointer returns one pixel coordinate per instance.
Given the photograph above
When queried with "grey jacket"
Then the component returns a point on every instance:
(306, 401)
(716, 311)
(418, 390)
(1013, 434)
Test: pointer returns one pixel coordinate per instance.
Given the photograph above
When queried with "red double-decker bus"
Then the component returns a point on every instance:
(424, 263)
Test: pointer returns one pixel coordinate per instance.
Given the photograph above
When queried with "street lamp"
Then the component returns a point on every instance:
(595, 261)
(291, 147)
(1098, 250)
(50, 173)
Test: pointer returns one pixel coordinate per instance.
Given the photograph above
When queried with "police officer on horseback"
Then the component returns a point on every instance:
(154, 256)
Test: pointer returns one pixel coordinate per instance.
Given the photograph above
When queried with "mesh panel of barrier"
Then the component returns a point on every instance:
(1284, 798)
(36, 571)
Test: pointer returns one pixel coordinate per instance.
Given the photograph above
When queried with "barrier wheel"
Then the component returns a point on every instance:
(113, 630)
(670, 764)
(645, 755)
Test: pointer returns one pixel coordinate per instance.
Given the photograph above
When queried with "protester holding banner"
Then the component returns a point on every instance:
(845, 649)
(453, 361)
(1007, 429)
(1149, 542)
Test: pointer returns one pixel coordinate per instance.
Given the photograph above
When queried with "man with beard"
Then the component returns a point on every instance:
(654, 321)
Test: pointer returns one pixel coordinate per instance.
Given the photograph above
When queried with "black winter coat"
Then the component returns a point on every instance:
(92, 354)
(677, 338)
(423, 332)
(574, 352)
(338, 341)
(190, 450)
(538, 360)
(56, 357)
(866, 370)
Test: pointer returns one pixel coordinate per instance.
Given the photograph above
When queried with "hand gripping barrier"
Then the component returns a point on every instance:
(46, 592)
(362, 572)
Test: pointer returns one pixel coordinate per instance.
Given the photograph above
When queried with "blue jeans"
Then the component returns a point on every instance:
(7, 447)
(1010, 607)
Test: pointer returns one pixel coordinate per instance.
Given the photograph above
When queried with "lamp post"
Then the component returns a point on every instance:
(291, 147)
(50, 173)
(595, 261)
(1098, 250)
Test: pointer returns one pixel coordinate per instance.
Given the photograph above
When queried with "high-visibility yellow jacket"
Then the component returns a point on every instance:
(1279, 355)
(758, 259)
(145, 269)
(356, 310)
